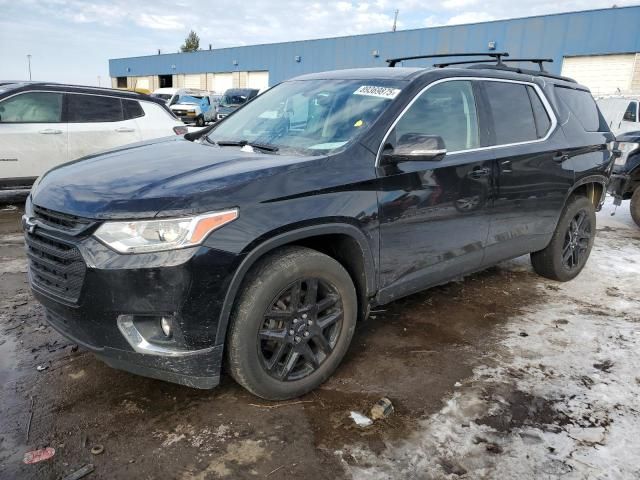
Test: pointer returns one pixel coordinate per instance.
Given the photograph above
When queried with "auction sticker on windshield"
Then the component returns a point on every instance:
(382, 92)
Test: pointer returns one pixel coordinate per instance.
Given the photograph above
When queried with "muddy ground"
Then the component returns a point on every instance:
(415, 351)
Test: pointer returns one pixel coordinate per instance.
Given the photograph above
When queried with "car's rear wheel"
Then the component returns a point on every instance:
(635, 206)
(567, 253)
(292, 325)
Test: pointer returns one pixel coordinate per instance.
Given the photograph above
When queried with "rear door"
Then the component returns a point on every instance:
(33, 137)
(96, 123)
(532, 175)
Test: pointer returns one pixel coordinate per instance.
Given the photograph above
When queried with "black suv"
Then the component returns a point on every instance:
(625, 179)
(260, 241)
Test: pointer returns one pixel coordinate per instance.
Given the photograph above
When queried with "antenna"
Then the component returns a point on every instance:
(395, 20)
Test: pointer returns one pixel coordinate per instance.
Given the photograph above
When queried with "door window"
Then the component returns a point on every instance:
(631, 114)
(94, 108)
(32, 107)
(132, 109)
(512, 113)
(448, 110)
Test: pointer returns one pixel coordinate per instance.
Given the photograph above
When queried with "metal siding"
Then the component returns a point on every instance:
(594, 32)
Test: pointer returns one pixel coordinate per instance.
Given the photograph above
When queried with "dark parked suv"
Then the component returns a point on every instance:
(259, 242)
(625, 179)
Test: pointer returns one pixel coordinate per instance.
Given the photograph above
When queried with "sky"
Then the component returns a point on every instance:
(72, 40)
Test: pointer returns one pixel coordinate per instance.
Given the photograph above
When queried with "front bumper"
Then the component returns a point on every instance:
(116, 291)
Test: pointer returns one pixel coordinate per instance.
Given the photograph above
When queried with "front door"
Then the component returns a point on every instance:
(434, 214)
(32, 137)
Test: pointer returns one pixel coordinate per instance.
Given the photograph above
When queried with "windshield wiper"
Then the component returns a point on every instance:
(241, 143)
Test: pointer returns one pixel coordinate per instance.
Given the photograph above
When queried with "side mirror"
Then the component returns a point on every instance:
(415, 147)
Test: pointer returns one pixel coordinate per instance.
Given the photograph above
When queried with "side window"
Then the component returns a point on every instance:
(132, 109)
(631, 114)
(582, 106)
(32, 107)
(540, 115)
(93, 108)
(512, 113)
(448, 110)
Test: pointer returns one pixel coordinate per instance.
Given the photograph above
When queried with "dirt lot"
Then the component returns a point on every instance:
(502, 375)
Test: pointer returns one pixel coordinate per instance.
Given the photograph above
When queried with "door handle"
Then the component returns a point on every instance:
(125, 129)
(561, 157)
(50, 131)
(479, 172)
(506, 166)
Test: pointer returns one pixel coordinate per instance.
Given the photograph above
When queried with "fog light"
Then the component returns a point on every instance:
(166, 326)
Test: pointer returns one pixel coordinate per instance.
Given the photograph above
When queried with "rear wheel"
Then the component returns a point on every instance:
(635, 206)
(570, 246)
(292, 325)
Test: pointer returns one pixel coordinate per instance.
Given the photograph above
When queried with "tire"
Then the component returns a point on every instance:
(635, 206)
(567, 253)
(276, 350)
(200, 121)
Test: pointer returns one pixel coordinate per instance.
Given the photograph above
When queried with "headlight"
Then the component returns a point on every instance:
(626, 148)
(162, 234)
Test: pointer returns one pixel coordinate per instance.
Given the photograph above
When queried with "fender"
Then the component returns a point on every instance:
(283, 239)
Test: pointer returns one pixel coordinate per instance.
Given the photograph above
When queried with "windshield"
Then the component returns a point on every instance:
(162, 96)
(189, 99)
(233, 99)
(311, 117)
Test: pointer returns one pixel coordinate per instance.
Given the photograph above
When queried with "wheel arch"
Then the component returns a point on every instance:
(594, 187)
(361, 267)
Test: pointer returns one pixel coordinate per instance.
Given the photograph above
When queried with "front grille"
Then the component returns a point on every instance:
(60, 221)
(56, 266)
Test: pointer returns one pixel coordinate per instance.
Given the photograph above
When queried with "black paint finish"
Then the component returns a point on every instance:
(416, 223)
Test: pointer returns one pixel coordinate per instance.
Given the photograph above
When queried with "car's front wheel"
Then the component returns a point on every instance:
(292, 325)
(567, 253)
(635, 206)
(200, 121)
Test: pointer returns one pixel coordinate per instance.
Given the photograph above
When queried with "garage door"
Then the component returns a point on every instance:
(142, 82)
(192, 81)
(222, 82)
(601, 73)
(258, 80)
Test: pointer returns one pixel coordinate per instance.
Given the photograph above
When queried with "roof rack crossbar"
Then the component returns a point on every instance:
(497, 56)
(538, 61)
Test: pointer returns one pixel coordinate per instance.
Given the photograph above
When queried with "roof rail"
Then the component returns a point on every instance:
(496, 56)
(538, 61)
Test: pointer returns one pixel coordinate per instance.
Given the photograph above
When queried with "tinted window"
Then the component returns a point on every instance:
(448, 110)
(33, 107)
(132, 109)
(540, 115)
(94, 108)
(582, 106)
(512, 114)
(631, 114)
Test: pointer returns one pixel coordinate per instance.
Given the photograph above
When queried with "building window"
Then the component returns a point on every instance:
(121, 82)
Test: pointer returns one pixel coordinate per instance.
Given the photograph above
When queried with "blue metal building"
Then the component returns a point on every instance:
(594, 33)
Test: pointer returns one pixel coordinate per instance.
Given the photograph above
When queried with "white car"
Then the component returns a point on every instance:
(191, 105)
(43, 125)
(621, 112)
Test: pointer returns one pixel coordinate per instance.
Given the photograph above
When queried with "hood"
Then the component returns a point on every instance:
(144, 179)
(182, 104)
(227, 108)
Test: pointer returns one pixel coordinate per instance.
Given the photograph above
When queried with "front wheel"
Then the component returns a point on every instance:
(292, 325)
(635, 206)
(200, 121)
(567, 253)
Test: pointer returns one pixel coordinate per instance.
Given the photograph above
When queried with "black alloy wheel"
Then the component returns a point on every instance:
(300, 329)
(576, 241)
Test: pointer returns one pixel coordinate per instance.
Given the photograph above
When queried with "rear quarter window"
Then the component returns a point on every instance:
(581, 105)
(132, 109)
